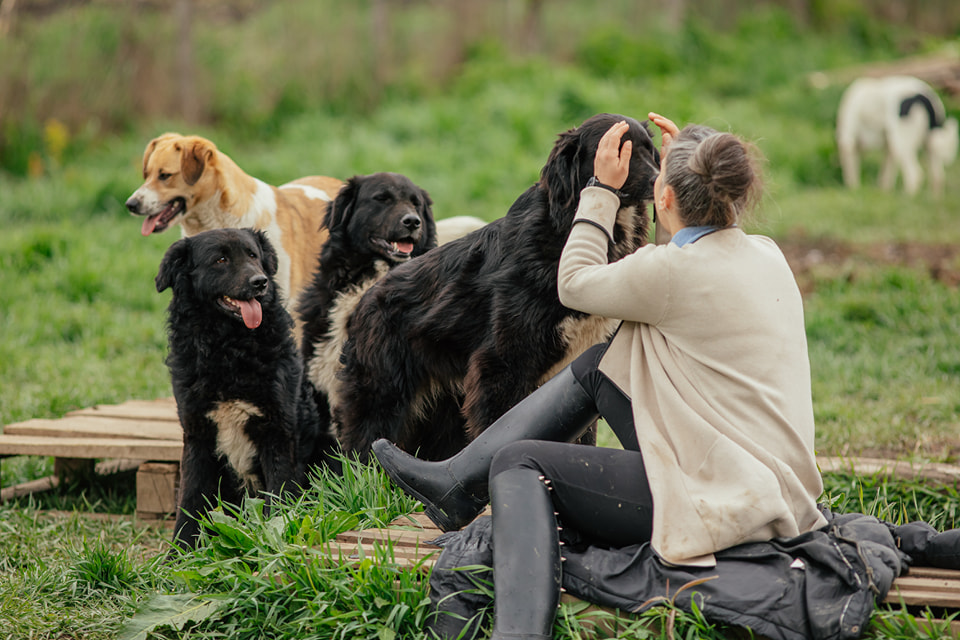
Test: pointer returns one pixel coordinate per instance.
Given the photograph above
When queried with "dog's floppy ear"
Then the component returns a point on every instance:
(152, 146)
(561, 174)
(341, 209)
(268, 255)
(195, 155)
(176, 261)
(429, 238)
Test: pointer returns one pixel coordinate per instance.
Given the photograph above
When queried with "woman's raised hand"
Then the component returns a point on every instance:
(668, 130)
(612, 162)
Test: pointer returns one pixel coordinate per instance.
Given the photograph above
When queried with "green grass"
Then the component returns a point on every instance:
(258, 575)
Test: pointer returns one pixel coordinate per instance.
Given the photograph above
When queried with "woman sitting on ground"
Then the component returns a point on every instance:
(706, 384)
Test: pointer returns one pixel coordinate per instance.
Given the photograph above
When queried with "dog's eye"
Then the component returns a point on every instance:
(163, 175)
(382, 197)
(222, 260)
(254, 255)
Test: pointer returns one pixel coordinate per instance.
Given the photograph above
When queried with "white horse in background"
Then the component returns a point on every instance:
(902, 115)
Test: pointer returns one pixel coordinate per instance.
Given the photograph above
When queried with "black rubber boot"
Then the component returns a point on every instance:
(454, 491)
(526, 557)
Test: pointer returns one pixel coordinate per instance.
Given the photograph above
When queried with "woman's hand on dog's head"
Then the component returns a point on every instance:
(612, 162)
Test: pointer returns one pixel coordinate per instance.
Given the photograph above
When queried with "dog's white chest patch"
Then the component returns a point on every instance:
(325, 363)
(231, 418)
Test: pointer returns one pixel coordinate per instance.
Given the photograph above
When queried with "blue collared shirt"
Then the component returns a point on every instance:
(689, 235)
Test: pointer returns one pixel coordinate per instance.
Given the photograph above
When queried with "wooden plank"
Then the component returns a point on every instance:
(29, 488)
(85, 426)
(947, 474)
(415, 519)
(398, 538)
(163, 409)
(404, 557)
(934, 572)
(938, 69)
(157, 489)
(103, 468)
(164, 450)
(922, 586)
(927, 586)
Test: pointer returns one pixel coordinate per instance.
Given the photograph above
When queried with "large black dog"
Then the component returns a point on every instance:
(376, 222)
(442, 346)
(249, 422)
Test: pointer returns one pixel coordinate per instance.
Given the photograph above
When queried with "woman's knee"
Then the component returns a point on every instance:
(516, 455)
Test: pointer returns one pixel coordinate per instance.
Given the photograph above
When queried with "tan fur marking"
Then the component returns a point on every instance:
(580, 334)
(231, 418)
(302, 231)
(325, 364)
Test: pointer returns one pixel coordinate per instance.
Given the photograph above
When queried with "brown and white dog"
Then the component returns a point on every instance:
(188, 181)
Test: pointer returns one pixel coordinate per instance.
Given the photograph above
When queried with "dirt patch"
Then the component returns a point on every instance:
(812, 257)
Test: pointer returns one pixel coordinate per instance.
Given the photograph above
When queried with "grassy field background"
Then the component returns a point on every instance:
(83, 324)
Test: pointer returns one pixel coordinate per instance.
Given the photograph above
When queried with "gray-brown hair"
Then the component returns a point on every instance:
(714, 175)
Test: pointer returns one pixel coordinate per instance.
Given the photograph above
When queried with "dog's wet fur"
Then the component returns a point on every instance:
(249, 422)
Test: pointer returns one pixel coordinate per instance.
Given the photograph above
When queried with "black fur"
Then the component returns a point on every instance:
(442, 346)
(935, 119)
(369, 215)
(216, 361)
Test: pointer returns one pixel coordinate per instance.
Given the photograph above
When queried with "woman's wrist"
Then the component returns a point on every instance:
(597, 182)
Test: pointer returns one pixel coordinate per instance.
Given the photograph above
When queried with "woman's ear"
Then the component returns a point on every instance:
(666, 207)
(668, 198)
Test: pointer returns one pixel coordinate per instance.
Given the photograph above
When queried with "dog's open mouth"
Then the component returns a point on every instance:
(249, 311)
(398, 250)
(160, 221)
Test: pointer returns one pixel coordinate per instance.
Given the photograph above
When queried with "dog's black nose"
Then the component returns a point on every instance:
(259, 282)
(411, 221)
(133, 204)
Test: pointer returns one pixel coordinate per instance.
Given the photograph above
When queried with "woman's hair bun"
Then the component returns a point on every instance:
(714, 175)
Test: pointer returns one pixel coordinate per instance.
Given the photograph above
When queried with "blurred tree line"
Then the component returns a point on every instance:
(94, 66)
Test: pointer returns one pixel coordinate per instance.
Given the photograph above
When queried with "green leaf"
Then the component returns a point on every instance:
(167, 610)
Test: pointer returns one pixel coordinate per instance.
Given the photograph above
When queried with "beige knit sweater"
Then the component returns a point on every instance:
(713, 354)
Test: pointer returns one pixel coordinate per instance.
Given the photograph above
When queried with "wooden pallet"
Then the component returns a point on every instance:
(144, 434)
(409, 538)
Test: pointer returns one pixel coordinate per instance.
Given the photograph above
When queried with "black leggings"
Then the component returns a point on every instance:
(600, 493)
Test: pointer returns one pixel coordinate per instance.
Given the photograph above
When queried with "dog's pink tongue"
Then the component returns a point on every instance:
(405, 247)
(252, 313)
(149, 224)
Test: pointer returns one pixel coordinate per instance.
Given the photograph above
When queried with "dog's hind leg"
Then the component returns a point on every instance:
(375, 397)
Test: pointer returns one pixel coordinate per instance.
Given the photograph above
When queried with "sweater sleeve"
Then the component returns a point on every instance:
(635, 288)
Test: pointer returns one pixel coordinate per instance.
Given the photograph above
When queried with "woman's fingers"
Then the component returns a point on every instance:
(668, 129)
(612, 162)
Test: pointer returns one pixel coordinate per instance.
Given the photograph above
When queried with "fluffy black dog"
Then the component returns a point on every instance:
(442, 346)
(376, 222)
(249, 423)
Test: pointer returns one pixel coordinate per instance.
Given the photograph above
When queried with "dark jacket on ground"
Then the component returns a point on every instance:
(820, 585)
